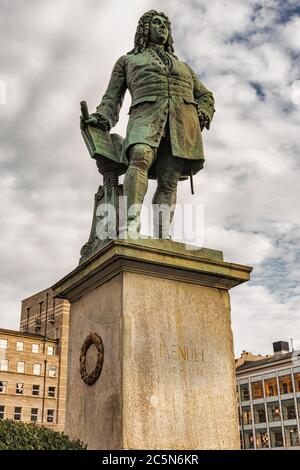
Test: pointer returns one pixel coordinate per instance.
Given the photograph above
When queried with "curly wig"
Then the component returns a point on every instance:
(141, 38)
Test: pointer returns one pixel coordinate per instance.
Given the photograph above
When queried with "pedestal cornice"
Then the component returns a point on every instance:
(159, 258)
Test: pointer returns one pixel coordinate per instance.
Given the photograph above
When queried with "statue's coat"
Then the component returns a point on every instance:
(158, 94)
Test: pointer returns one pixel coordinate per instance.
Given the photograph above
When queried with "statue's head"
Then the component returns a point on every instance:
(153, 27)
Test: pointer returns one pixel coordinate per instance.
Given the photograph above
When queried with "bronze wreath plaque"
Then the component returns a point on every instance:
(92, 338)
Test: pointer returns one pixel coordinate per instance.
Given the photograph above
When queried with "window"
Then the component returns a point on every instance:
(27, 317)
(35, 390)
(246, 415)
(274, 411)
(285, 384)
(37, 369)
(257, 389)
(244, 390)
(259, 413)
(21, 367)
(2, 410)
(19, 388)
(297, 381)
(271, 387)
(288, 409)
(20, 346)
(51, 392)
(291, 436)
(4, 365)
(56, 333)
(248, 440)
(276, 437)
(2, 387)
(34, 415)
(35, 348)
(50, 350)
(52, 371)
(17, 413)
(3, 343)
(50, 416)
(262, 439)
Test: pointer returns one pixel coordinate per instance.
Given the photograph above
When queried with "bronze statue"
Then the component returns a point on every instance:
(169, 110)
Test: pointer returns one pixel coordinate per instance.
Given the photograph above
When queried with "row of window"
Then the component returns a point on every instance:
(270, 386)
(274, 411)
(36, 369)
(35, 348)
(39, 309)
(33, 416)
(35, 389)
(273, 438)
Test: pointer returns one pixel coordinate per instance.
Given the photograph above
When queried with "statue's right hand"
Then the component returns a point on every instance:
(95, 120)
(92, 120)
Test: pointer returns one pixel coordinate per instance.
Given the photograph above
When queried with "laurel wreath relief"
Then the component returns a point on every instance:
(90, 378)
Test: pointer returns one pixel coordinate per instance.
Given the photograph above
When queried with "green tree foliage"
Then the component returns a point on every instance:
(22, 436)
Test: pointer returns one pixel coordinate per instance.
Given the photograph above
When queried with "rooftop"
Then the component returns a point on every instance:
(274, 359)
(24, 334)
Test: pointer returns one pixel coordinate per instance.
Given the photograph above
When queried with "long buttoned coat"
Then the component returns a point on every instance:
(158, 94)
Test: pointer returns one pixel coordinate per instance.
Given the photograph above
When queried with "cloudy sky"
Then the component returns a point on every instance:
(53, 54)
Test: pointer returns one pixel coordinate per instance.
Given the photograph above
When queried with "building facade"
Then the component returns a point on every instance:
(33, 363)
(269, 399)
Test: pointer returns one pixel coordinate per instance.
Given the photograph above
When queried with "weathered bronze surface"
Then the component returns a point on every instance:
(170, 108)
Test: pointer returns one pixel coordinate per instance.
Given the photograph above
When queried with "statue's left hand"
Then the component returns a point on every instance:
(204, 120)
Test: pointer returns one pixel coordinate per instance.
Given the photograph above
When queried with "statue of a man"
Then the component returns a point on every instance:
(170, 107)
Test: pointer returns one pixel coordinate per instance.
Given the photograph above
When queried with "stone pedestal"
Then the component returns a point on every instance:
(163, 314)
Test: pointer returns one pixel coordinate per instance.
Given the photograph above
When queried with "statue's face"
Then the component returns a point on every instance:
(158, 32)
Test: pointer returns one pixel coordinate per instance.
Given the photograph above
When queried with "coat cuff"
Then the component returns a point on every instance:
(102, 122)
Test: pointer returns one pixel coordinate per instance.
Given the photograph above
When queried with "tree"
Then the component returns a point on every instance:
(24, 436)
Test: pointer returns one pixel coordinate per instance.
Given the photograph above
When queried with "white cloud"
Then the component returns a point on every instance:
(291, 34)
(241, 247)
(259, 319)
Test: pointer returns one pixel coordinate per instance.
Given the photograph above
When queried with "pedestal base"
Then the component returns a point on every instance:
(168, 378)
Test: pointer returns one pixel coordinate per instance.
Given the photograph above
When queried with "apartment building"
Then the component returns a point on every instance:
(269, 399)
(33, 363)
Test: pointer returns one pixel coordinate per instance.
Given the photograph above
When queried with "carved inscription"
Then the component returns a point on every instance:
(180, 358)
(179, 352)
